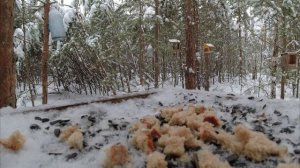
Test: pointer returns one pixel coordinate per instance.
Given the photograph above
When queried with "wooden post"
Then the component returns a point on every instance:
(45, 53)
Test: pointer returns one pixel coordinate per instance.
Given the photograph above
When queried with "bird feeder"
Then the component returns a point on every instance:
(175, 44)
(207, 47)
(175, 47)
(150, 51)
(290, 60)
(56, 25)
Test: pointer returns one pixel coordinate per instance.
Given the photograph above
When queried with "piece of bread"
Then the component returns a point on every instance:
(230, 142)
(67, 132)
(286, 165)
(143, 141)
(206, 159)
(174, 145)
(147, 122)
(194, 121)
(76, 140)
(156, 160)
(178, 118)
(168, 112)
(254, 145)
(116, 155)
(190, 141)
(206, 131)
(14, 142)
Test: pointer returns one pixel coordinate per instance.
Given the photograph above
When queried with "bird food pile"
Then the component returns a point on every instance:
(194, 136)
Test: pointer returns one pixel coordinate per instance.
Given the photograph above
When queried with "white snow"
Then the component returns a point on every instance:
(19, 51)
(41, 142)
(149, 12)
(92, 40)
(18, 43)
(68, 18)
(38, 16)
(191, 70)
(92, 11)
(174, 41)
(210, 45)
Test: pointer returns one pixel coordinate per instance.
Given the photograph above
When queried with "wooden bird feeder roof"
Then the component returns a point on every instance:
(176, 43)
(207, 47)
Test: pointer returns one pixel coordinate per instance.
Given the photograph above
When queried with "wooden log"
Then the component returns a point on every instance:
(113, 99)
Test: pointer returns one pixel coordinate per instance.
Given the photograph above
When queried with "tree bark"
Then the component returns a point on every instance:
(206, 71)
(7, 63)
(284, 43)
(298, 80)
(45, 53)
(156, 49)
(297, 87)
(240, 45)
(142, 46)
(27, 62)
(190, 73)
(274, 61)
(254, 74)
(198, 50)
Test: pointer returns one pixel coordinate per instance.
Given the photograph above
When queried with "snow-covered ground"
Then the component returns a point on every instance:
(105, 124)
(249, 87)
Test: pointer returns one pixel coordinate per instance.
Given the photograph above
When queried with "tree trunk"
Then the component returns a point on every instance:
(142, 46)
(164, 70)
(7, 63)
(27, 62)
(45, 53)
(206, 71)
(254, 73)
(190, 73)
(284, 43)
(197, 50)
(240, 46)
(274, 62)
(181, 69)
(156, 49)
(298, 80)
(297, 88)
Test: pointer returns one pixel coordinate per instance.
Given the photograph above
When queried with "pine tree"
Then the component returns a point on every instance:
(7, 67)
